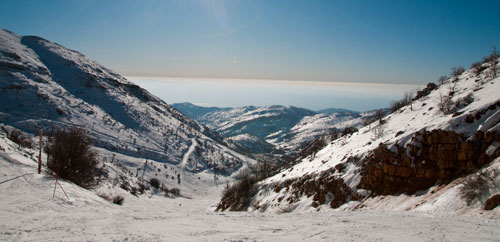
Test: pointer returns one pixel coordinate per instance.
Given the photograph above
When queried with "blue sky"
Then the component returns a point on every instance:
(409, 42)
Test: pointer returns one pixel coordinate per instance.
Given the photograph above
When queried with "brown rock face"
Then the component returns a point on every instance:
(325, 188)
(492, 202)
(433, 156)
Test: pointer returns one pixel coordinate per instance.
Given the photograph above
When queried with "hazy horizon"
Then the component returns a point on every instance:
(313, 95)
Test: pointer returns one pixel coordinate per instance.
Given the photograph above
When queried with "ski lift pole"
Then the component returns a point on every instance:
(40, 132)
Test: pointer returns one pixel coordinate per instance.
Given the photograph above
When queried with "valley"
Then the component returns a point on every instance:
(153, 217)
(272, 131)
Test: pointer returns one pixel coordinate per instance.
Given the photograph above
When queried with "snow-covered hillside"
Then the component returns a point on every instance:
(312, 127)
(44, 85)
(194, 111)
(257, 121)
(30, 213)
(423, 156)
(288, 128)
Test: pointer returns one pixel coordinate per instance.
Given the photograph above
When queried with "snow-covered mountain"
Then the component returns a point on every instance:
(45, 85)
(311, 127)
(287, 128)
(441, 152)
(194, 111)
(337, 110)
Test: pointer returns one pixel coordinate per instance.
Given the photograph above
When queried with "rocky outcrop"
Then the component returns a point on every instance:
(426, 91)
(432, 157)
(327, 188)
(492, 202)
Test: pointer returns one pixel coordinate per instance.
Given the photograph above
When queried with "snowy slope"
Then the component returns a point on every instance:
(61, 87)
(346, 169)
(312, 127)
(252, 145)
(30, 213)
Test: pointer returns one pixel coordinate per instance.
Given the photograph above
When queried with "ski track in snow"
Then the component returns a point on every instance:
(188, 153)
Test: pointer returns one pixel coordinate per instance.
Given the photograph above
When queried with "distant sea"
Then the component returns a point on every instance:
(242, 92)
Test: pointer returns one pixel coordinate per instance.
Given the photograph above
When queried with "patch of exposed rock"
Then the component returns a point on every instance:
(432, 157)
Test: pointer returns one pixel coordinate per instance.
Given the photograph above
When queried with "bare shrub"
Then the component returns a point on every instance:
(379, 115)
(446, 105)
(71, 157)
(464, 101)
(264, 169)
(396, 105)
(442, 80)
(452, 86)
(238, 196)
(492, 60)
(456, 72)
(118, 200)
(311, 148)
(242, 173)
(154, 182)
(142, 187)
(133, 191)
(18, 137)
(477, 185)
(104, 196)
(175, 191)
(368, 120)
(406, 100)
(378, 131)
(408, 97)
(349, 130)
(477, 68)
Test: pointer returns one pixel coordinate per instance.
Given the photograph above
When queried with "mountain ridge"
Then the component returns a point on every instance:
(288, 128)
(61, 87)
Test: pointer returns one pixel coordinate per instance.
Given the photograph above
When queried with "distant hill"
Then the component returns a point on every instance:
(287, 128)
(336, 110)
(194, 111)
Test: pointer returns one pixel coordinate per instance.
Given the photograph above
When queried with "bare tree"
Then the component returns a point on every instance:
(456, 72)
(379, 115)
(476, 68)
(452, 85)
(378, 131)
(408, 97)
(492, 60)
(446, 105)
(442, 80)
